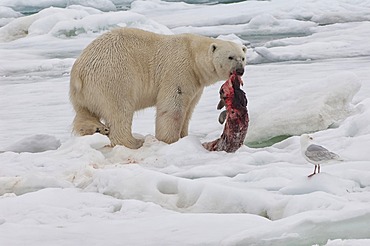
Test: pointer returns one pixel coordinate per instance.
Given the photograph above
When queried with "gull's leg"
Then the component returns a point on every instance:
(314, 172)
(318, 168)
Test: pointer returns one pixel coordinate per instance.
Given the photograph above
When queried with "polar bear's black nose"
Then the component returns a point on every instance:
(239, 71)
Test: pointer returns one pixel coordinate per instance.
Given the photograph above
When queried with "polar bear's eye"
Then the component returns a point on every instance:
(243, 59)
(230, 57)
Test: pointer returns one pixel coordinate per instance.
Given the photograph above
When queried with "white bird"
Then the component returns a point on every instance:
(316, 154)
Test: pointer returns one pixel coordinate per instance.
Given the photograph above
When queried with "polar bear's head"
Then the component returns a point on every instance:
(228, 57)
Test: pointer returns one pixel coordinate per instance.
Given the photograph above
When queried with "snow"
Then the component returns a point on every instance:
(73, 21)
(30, 6)
(34, 144)
(308, 72)
(324, 102)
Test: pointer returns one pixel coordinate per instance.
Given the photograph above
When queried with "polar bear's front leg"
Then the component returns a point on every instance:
(168, 124)
(120, 131)
(189, 112)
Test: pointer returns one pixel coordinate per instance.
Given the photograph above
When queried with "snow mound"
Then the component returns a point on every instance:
(73, 21)
(36, 6)
(106, 21)
(263, 24)
(309, 228)
(320, 182)
(30, 183)
(7, 15)
(304, 108)
(134, 182)
(335, 41)
(348, 242)
(34, 144)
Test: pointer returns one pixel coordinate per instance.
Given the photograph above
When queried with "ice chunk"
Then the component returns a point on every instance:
(75, 21)
(34, 144)
(304, 108)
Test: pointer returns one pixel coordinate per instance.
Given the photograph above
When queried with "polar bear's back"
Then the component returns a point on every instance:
(120, 55)
(118, 48)
(138, 56)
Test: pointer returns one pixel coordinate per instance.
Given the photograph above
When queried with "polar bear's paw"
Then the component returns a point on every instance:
(127, 141)
(137, 144)
(133, 143)
(89, 129)
(102, 130)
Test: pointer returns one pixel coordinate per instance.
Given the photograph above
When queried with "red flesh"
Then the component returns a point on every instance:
(237, 118)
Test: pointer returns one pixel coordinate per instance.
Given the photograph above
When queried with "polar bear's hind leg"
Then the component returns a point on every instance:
(86, 123)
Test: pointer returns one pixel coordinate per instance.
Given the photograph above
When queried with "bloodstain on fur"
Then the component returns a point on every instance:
(235, 130)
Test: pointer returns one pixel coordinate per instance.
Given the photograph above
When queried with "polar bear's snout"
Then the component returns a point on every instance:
(239, 71)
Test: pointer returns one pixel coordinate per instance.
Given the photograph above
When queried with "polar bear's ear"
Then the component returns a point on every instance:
(213, 47)
(244, 48)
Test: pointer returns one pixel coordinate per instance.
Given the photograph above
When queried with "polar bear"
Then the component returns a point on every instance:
(127, 69)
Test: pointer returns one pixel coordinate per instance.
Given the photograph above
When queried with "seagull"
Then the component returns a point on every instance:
(316, 154)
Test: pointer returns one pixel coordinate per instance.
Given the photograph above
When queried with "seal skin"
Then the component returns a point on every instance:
(237, 119)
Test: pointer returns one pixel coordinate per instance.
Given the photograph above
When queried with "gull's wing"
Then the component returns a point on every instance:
(319, 154)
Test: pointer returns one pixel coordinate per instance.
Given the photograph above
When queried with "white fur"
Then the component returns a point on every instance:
(127, 69)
